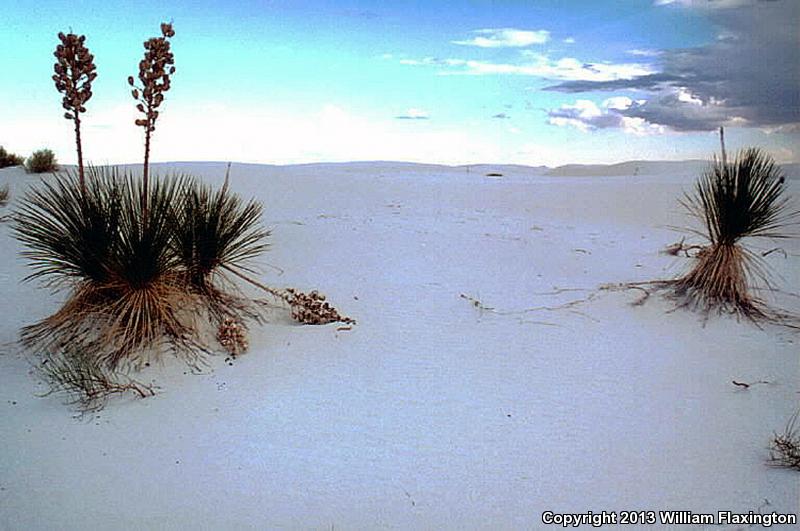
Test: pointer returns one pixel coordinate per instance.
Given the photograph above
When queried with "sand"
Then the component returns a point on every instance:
(430, 413)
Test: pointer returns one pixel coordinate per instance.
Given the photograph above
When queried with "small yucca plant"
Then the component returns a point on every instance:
(735, 201)
(42, 161)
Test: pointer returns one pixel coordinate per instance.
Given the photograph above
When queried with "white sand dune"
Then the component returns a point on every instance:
(429, 413)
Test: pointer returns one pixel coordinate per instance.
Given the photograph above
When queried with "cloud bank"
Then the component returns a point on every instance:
(748, 76)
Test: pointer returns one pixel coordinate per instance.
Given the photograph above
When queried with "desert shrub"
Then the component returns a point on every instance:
(735, 201)
(9, 159)
(4, 195)
(42, 161)
(86, 383)
(784, 447)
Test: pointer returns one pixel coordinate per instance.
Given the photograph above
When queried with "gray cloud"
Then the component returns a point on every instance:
(501, 116)
(748, 75)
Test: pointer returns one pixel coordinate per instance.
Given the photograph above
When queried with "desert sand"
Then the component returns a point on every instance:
(431, 412)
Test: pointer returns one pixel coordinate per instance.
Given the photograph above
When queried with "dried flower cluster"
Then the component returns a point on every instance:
(311, 308)
(154, 71)
(232, 335)
(74, 73)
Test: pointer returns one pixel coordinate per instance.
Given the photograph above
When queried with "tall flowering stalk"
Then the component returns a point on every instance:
(154, 71)
(74, 73)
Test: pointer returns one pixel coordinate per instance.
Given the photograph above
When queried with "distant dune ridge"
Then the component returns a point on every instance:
(620, 169)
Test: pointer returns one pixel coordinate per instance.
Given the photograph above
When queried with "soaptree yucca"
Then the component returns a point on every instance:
(735, 201)
(125, 290)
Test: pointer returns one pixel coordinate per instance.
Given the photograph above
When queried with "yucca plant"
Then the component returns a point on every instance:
(735, 201)
(126, 290)
(217, 233)
(4, 195)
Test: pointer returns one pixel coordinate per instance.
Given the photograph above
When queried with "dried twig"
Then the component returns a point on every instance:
(748, 385)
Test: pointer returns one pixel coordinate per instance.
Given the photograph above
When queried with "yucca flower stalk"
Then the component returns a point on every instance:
(155, 70)
(74, 73)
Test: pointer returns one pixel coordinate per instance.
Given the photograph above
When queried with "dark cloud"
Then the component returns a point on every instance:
(750, 74)
(501, 116)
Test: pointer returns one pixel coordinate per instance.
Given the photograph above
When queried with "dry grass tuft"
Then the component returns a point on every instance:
(5, 194)
(784, 449)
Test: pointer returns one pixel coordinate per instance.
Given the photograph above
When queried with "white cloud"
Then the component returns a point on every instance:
(585, 115)
(569, 40)
(506, 38)
(413, 114)
(687, 97)
(618, 103)
(567, 69)
(644, 52)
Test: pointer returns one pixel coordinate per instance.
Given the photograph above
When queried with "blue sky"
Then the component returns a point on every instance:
(545, 82)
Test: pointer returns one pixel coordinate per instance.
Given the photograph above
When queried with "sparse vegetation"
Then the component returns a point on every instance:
(784, 448)
(74, 73)
(9, 159)
(141, 262)
(4, 195)
(42, 161)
